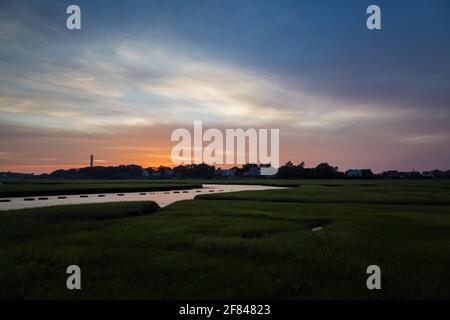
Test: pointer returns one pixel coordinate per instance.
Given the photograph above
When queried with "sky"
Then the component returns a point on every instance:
(117, 88)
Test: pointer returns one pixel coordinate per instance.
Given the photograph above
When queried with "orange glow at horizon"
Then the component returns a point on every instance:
(150, 146)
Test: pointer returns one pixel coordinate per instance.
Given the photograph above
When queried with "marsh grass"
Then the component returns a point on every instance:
(256, 245)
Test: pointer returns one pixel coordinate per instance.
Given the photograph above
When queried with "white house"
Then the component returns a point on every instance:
(354, 173)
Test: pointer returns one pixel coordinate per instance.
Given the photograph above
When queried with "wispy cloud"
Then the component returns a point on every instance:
(119, 88)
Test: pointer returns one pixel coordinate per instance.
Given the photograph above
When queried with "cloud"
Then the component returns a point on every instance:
(6, 156)
(118, 89)
(428, 139)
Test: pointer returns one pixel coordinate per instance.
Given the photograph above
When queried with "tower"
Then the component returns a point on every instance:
(91, 164)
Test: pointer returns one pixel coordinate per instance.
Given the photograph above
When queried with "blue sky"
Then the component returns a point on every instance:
(137, 69)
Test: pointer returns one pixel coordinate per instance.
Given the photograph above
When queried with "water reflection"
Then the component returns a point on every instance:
(162, 198)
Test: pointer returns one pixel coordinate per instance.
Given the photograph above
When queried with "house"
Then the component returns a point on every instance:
(229, 172)
(353, 173)
(409, 175)
(436, 174)
(391, 174)
(359, 173)
(253, 171)
(267, 170)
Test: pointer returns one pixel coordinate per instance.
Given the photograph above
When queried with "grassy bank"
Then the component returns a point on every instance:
(24, 188)
(241, 245)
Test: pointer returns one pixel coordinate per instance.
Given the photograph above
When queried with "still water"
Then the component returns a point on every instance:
(162, 198)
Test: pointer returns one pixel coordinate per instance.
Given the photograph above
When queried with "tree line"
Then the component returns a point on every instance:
(205, 171)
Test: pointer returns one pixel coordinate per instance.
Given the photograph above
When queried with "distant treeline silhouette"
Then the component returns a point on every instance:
(204, 171)
(321, 171)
